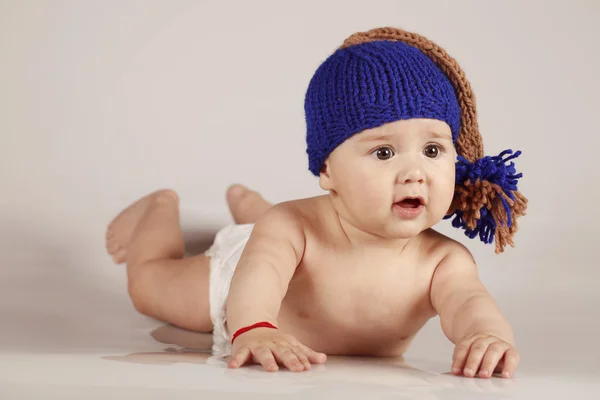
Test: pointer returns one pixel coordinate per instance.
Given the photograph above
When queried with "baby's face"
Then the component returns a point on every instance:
(372, 171)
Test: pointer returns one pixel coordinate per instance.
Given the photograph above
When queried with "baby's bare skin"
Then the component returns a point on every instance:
(345, 273)
(355, 273)
(363, 301)
(357, 301)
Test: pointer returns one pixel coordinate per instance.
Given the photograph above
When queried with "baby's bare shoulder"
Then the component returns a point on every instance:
(292, 217)
(437, 245)
(305, 212)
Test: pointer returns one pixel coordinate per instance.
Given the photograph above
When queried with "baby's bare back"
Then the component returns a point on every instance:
(357, 301)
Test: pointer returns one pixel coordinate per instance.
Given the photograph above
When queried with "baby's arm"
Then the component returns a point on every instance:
(259, 284)
(471, 319)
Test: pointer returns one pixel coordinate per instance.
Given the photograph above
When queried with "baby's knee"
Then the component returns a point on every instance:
(138, 292)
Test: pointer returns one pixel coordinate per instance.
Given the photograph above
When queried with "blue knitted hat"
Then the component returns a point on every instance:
(387, 74)
(370, 84)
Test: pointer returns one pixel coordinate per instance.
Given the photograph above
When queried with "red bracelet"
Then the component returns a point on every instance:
(247, 328)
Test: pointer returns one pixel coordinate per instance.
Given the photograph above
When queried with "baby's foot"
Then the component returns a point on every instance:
(246, 205)
(120, 230)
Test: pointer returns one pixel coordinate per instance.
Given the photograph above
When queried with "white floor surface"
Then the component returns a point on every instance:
(98, 347)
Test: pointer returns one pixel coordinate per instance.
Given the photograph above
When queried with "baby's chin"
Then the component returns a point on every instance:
(407, 229)
(393, 227)
(404, 233)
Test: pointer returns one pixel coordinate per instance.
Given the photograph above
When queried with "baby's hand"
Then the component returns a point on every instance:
(270, 347)
(486, 354)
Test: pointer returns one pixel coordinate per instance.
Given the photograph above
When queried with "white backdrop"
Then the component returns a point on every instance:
(101, 102)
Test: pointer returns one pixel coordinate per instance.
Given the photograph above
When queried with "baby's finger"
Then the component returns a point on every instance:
(491, 358)
(459, 357)
(240, 358)
(313, 356)
(476, 353)
(288, 358)
(511, 361)
(265, 357)
(302, 357)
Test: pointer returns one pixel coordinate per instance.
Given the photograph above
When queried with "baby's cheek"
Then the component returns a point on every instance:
(356, 185)
(444, 193)
(374, 197)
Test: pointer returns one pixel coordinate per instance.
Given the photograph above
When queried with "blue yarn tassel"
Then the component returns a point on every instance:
(494, 170)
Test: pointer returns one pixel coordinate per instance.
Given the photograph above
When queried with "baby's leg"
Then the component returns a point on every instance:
(246, 206)
(161, 282)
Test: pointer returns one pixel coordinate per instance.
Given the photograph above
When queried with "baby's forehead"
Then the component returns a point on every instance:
(412, 123)
(406, 127)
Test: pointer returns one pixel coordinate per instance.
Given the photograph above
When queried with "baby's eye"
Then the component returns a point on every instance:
(433, 150)
(384, 153)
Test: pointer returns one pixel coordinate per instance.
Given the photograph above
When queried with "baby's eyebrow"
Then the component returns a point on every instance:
(387, 137)
(440, 135)
(375, 138)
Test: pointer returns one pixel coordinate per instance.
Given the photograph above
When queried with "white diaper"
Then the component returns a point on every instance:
(224, 255)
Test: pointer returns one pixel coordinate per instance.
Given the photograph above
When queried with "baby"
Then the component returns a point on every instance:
(392, 136)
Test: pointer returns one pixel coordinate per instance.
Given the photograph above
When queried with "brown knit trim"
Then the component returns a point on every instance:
(469, 143)
(471, 197)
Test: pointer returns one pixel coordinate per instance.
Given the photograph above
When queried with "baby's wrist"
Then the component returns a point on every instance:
(244, 329)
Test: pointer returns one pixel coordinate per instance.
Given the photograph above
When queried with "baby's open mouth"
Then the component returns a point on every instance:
(410, 202)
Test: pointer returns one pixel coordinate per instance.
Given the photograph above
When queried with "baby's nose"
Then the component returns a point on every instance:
(411, 174)
(413, 179)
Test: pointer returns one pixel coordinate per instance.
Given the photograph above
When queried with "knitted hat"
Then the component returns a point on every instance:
(388, 74)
